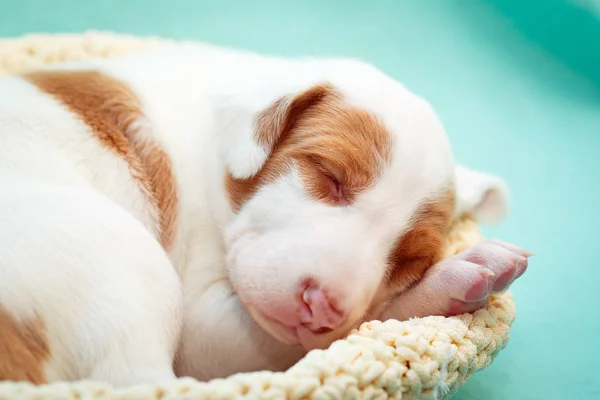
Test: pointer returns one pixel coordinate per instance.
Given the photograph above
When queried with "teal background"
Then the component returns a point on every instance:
(517, 84)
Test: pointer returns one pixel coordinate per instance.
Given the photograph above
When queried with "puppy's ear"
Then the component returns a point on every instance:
(254, 128)
(483, 196)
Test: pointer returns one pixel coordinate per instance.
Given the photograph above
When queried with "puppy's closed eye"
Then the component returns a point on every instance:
(333, 189)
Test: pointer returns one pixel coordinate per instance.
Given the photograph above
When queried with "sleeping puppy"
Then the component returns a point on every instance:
(198, 211)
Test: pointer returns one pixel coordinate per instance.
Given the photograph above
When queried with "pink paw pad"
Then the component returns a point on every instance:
(468, 278)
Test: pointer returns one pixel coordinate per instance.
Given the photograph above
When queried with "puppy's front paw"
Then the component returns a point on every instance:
(462, 283)
(467, 279)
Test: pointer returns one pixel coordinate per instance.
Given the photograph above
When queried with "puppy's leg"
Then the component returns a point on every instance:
(462, 283)
(219, 338)
(103, 294)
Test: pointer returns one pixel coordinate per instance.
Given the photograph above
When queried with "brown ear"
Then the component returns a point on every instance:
(270, 128)
(275, 122)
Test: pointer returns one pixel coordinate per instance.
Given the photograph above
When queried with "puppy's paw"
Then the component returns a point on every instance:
(462, 283)
(467, 279)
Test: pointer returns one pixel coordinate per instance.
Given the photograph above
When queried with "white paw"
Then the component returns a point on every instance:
(462, 283)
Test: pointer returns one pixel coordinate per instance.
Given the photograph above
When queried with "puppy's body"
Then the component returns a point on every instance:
(189, 198)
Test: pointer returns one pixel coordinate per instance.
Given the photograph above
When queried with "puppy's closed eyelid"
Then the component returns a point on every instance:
(341, 193)
(335, 186)
(331, 178)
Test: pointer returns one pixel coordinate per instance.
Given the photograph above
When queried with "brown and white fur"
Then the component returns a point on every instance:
(199, 211)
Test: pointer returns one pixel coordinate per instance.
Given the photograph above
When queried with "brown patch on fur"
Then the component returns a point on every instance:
(24, 349)
(423, 244)
(334, 145)
(113, 112)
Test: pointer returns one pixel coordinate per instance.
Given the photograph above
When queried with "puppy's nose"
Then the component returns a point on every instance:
(318, 311)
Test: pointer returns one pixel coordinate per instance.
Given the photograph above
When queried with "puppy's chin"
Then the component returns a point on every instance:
(284, 334)
(312, 341)
(294, 336)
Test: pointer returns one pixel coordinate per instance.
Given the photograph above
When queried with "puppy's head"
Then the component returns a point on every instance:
(342, 195)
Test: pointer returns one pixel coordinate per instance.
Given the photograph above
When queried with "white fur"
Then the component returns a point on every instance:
(78, 237)
(481, 194)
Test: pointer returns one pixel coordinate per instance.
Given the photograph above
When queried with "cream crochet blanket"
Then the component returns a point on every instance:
(426, 358)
